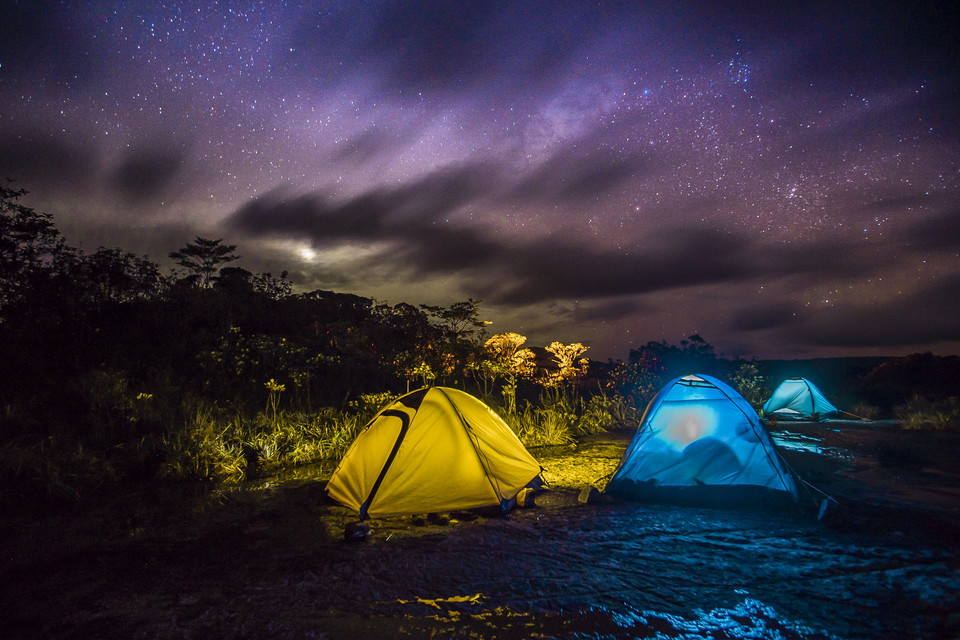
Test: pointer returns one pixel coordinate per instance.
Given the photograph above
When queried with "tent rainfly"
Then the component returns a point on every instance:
(798, 399)
(700, 442)
(435, 449)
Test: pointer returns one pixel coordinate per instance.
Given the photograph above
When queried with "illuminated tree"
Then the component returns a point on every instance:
(570, 366)
(507, 360)
(751, 384)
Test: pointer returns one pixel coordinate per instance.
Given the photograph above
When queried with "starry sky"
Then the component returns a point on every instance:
(782, 178)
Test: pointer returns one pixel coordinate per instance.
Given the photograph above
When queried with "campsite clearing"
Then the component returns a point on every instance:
(268, 560)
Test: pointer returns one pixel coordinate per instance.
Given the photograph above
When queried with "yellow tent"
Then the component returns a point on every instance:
(435, 449)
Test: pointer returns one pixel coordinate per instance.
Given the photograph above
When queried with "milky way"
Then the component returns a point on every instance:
(784, 181)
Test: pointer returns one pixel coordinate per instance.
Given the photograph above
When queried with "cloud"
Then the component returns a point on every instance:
(145, 173)
(766, 315)
(563, 268)
(570, 176)
(491, 48)
(369, 144)
(939, 233)
(609, 310)
(408, 212)
(34, 160)
(423, 232)
(925, 316)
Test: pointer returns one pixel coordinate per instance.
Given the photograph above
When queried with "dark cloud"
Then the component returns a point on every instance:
(766, 315)
(143, 174)
(417, 220)
(940, 233)
(818, 260)
(559, 268)
(897, 203)
(37, 160)
(926, 316)
(409, 212)
(609, 310)
(571, 176)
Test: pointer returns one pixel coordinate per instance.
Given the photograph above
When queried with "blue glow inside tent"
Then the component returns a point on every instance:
(798, 399)
(699, 432)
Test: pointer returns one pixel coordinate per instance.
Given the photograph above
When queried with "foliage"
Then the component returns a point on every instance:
(693, 355)
(638, 380)
(751, 384)
(570, 366)
(603, 412)
(864, 411)
(369, 404)
(231, 447)
(461, 330)
(921, 413)
(31, 248)
(540, 425)
(504, 360)
(115, 371)
(203, 258)
(51, 470)
(896, 381)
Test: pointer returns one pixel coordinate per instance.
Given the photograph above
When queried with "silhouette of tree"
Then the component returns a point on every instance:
(204, 258)
(30, 247)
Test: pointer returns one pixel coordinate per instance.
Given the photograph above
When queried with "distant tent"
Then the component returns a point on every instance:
(798, 399)
(435, 449)
(701, 442)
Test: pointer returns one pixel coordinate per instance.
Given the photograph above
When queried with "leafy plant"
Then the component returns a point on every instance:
(921, 413)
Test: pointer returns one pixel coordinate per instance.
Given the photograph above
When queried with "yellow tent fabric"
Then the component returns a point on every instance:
(436, 449)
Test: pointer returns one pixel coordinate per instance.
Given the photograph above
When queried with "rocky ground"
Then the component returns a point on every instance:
(269, 559)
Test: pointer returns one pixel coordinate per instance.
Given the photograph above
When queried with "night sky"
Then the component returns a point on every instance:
(781, 177)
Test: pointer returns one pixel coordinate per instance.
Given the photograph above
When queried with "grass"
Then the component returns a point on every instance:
(196, 439)
(864, 411)
(213, 445)
(51, 470)
(921, 413)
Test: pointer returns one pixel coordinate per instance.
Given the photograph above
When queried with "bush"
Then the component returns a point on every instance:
(921, 413)
(865, 411)
(540, 426)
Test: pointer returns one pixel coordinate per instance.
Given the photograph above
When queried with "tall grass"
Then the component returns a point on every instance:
(51, 470)
(231, 448)
(564, 415)
(536, 426)
(921, 413)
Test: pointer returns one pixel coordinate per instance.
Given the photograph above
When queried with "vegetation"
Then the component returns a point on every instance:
(117, 372)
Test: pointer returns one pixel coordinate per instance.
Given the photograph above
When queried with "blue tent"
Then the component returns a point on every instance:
(798, 399)
(700, 442)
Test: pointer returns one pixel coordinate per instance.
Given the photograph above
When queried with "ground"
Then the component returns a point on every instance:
(270, 560)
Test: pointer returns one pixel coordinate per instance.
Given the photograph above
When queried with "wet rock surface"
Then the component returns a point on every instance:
(278, 559)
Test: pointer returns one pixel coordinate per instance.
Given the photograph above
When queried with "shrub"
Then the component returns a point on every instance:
(921, 413)
(540, 426)
(865, 411)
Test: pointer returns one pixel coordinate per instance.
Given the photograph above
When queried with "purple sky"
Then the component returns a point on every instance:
(783, 178)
